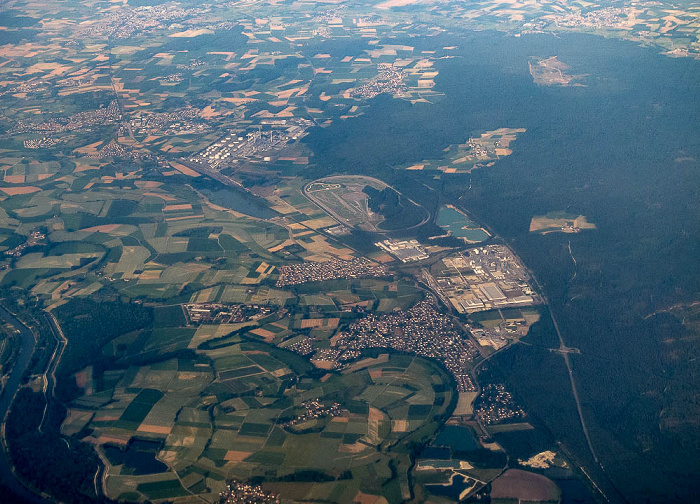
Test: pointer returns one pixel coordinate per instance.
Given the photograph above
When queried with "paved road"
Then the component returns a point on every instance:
(563, 351)
(50, 374)
(613, 494)
(346, 222)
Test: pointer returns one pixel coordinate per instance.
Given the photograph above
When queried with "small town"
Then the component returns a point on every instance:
(26, 87)
(79, 121)
(495, 405)
(389, 80)
(116, 150)
(35, 238)
(40, 143)
(178, 122)
(315, 410)
(242, 493)
(477, 149)
(421, 330)
(607, 17)
(302, 346)
(125, 22)
(301, 273)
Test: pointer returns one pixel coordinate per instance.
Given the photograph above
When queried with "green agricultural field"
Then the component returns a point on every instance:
(169, 339)
(131, 236)
(234, 412)
(64, 261)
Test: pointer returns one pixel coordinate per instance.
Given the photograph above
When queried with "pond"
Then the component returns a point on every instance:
(454, 490)
(239, 201)
(457, 438)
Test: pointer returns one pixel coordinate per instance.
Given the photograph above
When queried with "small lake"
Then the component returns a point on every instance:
(457, 438)
(239, 201)
(454, 490)
(459, 225)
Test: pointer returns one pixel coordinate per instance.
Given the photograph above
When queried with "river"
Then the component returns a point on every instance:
(8, 393)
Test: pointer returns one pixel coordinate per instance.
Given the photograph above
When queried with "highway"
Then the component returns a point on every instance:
(614, 495)
(564, 351)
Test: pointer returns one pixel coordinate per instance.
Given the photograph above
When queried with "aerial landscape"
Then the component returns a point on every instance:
(364, 251)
